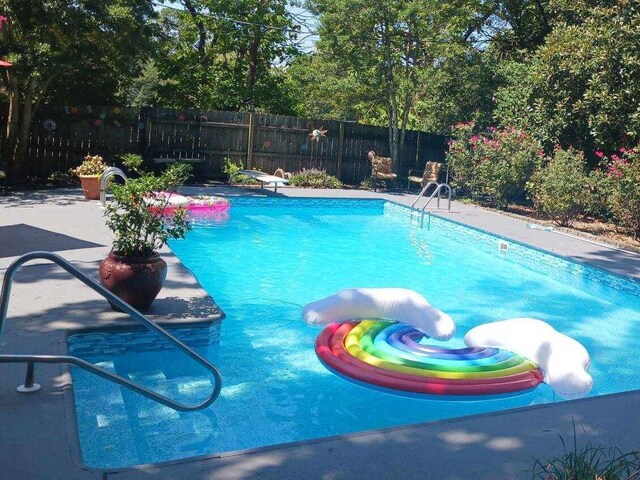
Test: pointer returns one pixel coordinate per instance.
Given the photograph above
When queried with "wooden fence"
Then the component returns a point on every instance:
(62, 136)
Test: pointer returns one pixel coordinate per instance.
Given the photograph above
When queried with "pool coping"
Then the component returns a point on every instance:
(242, 456)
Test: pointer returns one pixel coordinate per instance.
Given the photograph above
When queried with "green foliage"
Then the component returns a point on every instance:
(581, 87)
(91, 166)
(138, 229)
(561, 188)
(622, 188)
(210, 62)
(132, 161)
(588, 463)
(497, 164)
(314, 178)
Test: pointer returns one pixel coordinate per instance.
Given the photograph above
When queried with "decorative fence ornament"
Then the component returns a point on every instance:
(266, 144)
(304, 147)
(317, 134)
(49, 125)
(89, 109)
(98, 123)
(141, 125)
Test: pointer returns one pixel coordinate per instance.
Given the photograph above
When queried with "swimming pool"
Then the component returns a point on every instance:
(273, 255)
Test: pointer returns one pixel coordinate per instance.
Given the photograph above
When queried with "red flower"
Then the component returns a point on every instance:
(599, 154)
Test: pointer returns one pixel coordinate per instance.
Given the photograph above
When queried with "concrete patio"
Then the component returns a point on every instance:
(40, 439)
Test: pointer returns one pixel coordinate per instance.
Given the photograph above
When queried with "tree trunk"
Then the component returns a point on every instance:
(13, 119)
(252, 71)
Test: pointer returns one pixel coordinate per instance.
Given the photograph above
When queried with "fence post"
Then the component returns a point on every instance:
(340, 150)
(250, 142)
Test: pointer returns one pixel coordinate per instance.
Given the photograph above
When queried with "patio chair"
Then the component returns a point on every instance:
(282, 174)
(431, 173)
(380, 169)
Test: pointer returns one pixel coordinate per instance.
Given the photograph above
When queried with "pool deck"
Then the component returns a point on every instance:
(39, 434)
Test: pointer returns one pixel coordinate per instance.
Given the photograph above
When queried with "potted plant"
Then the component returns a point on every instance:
(90, 173)
(133, 270)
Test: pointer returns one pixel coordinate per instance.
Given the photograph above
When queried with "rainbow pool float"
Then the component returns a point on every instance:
(501, 357)
(390, 355)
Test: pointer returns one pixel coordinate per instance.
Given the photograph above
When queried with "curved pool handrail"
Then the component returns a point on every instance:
(122, 305)
(106, 175)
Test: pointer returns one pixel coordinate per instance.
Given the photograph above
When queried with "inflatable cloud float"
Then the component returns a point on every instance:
(563, 360)
(395, 304)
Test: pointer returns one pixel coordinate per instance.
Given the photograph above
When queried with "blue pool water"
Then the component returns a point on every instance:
(273, 255)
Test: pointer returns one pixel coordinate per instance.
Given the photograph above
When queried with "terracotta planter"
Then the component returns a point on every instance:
(136, 280)
(91, 186)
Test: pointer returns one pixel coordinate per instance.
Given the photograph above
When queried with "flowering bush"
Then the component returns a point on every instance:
(622, 184)
(497, 163)
(92, 166)
(561, 188)
(314, 178)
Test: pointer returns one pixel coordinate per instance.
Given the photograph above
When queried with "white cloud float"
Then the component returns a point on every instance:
(563, 360)
(394, 304)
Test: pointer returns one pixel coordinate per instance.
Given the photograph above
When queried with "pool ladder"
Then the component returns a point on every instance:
(436, 193)
(108, 173)
(29, 384)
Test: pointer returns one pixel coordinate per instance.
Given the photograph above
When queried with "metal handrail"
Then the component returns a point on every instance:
(108, 173)
(437, 192)
(117, 302)
(423, 191)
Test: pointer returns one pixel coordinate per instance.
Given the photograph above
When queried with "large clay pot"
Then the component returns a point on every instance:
(136, 280)
(90, 186)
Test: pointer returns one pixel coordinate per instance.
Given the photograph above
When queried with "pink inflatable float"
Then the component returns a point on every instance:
(167, 202)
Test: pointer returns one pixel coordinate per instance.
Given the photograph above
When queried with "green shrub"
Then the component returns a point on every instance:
(314, 178)
(231, 169)
(622, 188)
(497, 163)
(561, 188)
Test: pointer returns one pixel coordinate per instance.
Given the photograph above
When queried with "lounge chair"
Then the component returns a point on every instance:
(264, 178)
(282, 174)
(380, 168)
(431, 173)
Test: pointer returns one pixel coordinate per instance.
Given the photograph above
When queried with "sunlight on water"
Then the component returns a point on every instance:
(272, 256)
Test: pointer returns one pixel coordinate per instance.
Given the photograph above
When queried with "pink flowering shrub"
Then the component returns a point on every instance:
(497, 163)
(622, 184)
(561, 189)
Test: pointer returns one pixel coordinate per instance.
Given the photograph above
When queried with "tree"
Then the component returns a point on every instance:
(226, 55)
(61, 51)
(581, 88)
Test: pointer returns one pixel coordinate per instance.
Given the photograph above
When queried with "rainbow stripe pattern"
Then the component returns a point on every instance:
(390, 355)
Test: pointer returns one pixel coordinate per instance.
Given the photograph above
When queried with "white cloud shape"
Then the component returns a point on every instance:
(395, 304)
(563, 360)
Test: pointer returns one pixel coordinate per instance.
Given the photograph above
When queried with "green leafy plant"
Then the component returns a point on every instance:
(561, 188)
(497, 163)
(314, 178)
(91, 166)
(621, 182)
(588, 463)
(139, 217)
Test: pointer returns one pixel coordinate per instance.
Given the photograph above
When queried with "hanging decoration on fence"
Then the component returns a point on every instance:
(89, 109)
(266, 144)
(317, 133)
(141, 125)
(66, 109)
(103, 115)
(98, 122)
(182, 117)
(117, 123)
(117, 110)
(304, 147)
(74, 110)
(49, 125)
